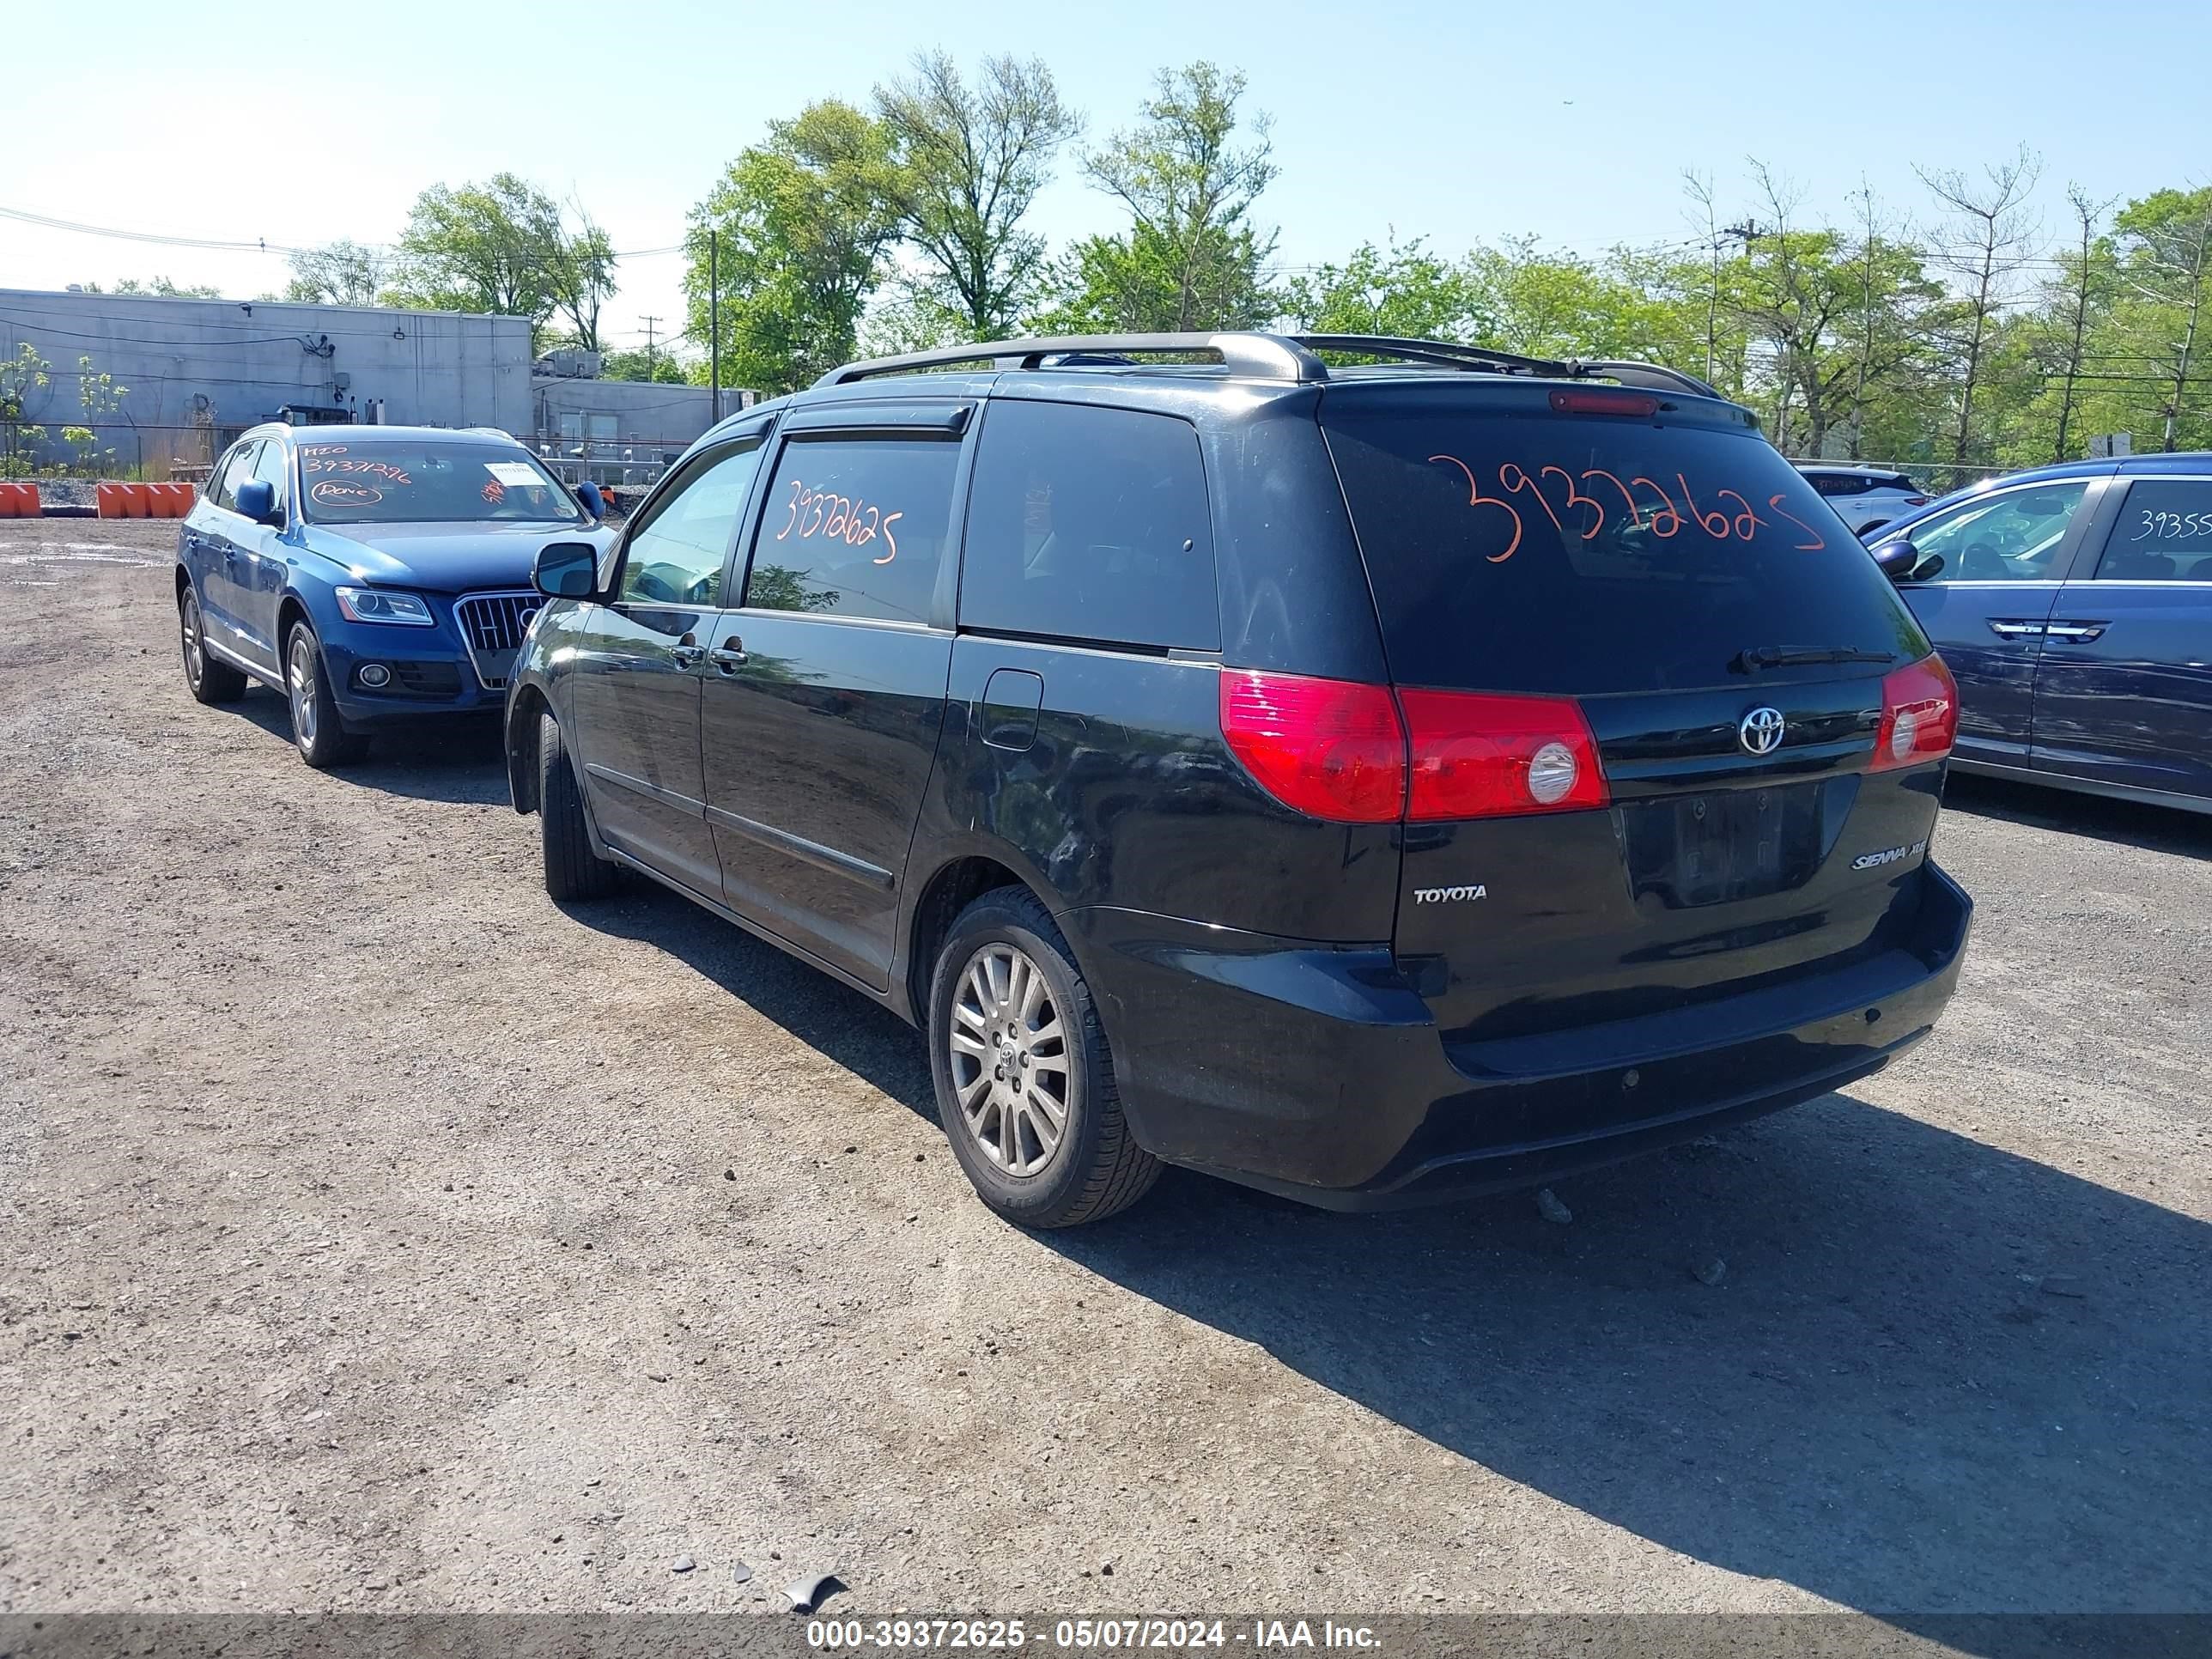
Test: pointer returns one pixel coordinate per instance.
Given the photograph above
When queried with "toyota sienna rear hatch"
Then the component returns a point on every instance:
(1671, 735)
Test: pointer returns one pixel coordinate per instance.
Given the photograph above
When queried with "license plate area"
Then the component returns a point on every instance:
(1724, 845)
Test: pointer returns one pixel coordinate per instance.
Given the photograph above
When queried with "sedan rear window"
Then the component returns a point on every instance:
(399, 481)
(1515, 547)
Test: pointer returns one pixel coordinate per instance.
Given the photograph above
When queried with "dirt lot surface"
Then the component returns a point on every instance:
(374, 1233)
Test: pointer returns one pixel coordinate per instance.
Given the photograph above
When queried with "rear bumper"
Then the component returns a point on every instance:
(1317, 1071)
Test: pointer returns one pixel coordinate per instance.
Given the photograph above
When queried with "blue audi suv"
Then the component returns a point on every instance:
(370, 574)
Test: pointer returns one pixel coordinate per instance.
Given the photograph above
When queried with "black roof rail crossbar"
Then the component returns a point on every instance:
(1263, 356)
(1445, 352)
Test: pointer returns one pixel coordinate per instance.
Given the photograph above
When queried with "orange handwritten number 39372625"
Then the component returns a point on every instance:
(1476, 498)
(849, 520)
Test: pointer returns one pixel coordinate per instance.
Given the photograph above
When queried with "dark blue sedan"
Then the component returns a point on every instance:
(371, 573)
(2074, 604)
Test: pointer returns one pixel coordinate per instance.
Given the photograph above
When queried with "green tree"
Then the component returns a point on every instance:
(966, 165)
(804, 223)
(1192, 258)
(21, 377)
(2165, 272)
(1987, 235)
(1552, 304)
(642, 365)
(340, 273)
(98, 397)
(1400, 289)
(507, 247)
(158, 286)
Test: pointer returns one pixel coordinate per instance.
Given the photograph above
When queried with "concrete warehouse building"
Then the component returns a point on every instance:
(198, 372)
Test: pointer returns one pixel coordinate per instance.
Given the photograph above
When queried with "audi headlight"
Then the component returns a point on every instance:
(376, 605)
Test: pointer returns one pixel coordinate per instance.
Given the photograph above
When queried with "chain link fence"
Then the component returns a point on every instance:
(61, 451)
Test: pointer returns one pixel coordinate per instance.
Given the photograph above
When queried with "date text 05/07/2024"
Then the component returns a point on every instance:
(1089, 1635)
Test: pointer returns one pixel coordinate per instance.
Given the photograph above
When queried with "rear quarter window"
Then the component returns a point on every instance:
(1513, 549)
(1090, 524)
(2163, 533)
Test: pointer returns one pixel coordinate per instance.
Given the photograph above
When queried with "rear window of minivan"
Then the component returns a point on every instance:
(1515, 547)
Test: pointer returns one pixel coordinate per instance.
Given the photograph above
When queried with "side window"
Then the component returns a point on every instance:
(2163, 533)
(271, 467)
(2016, 536)
(232, 470)
(675, 558)
(854, 528)
(1090, 524)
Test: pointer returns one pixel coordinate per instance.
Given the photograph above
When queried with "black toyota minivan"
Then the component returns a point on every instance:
(1366, 769)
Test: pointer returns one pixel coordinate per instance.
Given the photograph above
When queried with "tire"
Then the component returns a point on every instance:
(573, 869)
(319, 732)
(1095, 1167)
(210, 681)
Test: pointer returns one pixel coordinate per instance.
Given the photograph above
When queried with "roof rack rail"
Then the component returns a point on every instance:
(1656, 375)
(1445, 354)
(1451, 354)
(1264, 357)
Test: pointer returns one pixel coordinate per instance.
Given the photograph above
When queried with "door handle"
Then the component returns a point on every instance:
(688, 656)
(2081, 633)
(729, 656)
(2015, 630)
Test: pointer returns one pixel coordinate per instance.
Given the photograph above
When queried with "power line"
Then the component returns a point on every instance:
(261, 245)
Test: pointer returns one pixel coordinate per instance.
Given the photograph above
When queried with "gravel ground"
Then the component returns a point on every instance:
(379, 1236)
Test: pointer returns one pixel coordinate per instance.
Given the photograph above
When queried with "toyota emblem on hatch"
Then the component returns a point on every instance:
(1760, 731)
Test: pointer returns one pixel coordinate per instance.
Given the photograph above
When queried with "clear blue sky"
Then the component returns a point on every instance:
(1462, 122)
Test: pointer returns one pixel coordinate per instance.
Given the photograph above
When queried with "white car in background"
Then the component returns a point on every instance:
(1865, 497)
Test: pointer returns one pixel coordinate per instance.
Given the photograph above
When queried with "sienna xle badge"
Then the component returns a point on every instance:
(1187, 765)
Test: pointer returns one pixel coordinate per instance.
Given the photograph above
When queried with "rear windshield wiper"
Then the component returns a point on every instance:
(1777, 656)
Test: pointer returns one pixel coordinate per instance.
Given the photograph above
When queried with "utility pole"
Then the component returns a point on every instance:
(650, 360)
(714, 318)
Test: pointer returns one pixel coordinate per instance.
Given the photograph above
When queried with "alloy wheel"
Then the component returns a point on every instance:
(300, 674)
(1010, 1060)
(195, 653)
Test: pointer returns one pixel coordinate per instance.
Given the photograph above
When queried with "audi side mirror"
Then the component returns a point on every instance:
(257, 500)
(594, 502)
(566, 570)
(1897, 558)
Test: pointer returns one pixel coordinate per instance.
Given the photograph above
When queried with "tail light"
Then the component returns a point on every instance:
(1330, 749)
(1916, 500)
(1477, 755)
(1342, 751)
(1919, 717)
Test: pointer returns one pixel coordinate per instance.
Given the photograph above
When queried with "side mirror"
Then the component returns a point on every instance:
(594, 504)
(257, 500)
(566, 570)
(1901, 561)
(1897, 558)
